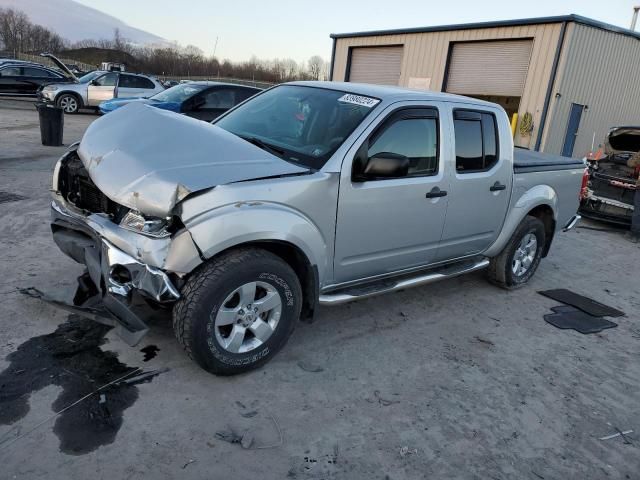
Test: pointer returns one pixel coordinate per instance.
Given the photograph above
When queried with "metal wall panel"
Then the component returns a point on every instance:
(489, 68)
(601, 70)
(425, 57)
(379, 65)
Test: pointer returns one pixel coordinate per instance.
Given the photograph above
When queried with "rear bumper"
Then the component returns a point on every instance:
(607, 209)
(112, 274)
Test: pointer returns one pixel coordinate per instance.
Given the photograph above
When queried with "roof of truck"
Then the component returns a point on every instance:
(389, 93)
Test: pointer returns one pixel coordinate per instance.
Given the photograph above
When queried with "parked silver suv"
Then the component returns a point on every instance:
(95, 87)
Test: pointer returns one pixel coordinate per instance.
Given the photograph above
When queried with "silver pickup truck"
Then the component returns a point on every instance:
(310, 193)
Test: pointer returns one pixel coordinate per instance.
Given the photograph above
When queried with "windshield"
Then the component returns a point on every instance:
(304, 125)
(178, 93)
(89, 76)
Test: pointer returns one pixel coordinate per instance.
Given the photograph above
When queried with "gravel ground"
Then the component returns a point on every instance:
(454, 380)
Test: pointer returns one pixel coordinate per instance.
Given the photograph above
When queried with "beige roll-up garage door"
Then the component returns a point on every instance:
(379, 65)
(489, 68)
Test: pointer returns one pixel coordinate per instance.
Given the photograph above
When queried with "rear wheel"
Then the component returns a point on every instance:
(68, 102)
(519, 260)
(238, 311)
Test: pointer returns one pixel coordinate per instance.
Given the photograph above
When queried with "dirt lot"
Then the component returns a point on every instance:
(454, 380)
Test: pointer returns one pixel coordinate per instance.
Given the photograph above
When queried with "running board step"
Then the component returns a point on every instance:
(349, 294)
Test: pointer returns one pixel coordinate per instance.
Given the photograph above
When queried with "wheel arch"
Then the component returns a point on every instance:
(295, 257)
(541, 202)
(70, 92)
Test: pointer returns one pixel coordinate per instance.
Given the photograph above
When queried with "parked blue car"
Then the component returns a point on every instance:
(201, 100)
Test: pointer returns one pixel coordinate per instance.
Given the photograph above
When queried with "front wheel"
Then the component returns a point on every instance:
(519, 260)
(238, 311)
(69, 103)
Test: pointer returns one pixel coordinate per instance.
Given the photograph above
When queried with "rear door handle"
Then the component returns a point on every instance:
(497, 187)
(436, 192)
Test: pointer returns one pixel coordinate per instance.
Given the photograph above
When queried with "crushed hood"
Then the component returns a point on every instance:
(623, 139)
(150, 159)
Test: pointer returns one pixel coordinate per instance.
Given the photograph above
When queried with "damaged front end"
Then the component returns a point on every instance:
(609, 195)
(120, 262)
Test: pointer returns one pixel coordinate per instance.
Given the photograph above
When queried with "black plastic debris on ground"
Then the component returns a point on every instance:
(581, 302)
(568, 317)
(150, 351)
(71, 358)
(6, 197)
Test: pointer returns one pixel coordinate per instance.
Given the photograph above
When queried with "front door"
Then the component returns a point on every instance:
(386, 225)
(102, 88)
(480, 184)
(572, 129)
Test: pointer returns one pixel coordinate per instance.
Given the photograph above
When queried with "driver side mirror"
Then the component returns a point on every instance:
(94, 83)
(383, 165)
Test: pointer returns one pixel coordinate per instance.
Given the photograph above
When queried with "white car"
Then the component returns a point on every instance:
(95, 87)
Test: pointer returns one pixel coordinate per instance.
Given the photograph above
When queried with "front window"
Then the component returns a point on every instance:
(178, 93)
(107, 80)
(89, 76)
(304, 125)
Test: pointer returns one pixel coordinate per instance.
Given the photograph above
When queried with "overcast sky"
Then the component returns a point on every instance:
(300, 29)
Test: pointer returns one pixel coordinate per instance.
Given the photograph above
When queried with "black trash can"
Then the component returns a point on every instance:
(51, 124)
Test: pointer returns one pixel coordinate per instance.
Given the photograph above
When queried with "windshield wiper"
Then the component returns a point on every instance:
(265, 146)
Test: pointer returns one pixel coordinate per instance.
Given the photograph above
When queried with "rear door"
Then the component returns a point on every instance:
(392, 224)
(480, 182)
(134, 86)
(102, 88)
(33, 77)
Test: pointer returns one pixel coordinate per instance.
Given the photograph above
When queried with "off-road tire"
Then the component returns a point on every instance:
(500, 268)
(206, 289)
(76, 98)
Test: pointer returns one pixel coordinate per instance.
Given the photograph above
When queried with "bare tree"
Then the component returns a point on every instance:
(316, 67)
(18, 34)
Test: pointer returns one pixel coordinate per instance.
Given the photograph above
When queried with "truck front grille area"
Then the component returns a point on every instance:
(77, 188)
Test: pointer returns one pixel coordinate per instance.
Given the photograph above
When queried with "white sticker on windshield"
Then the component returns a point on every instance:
(359, 100)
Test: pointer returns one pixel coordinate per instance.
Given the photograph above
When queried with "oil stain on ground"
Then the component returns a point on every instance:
(150, 351)
(72, 359)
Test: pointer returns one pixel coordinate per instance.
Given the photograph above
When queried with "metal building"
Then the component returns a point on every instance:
(568, 78)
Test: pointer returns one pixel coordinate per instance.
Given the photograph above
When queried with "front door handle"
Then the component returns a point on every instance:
(497, 187)
(436, 192)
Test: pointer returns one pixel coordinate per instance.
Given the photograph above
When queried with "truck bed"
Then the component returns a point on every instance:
(525, 161)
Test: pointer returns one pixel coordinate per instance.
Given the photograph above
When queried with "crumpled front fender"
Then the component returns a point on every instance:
(243, 222)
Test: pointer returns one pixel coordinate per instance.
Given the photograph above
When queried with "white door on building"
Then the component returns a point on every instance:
(379, 65)
(489, 68)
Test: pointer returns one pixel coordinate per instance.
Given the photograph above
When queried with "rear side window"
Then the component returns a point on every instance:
(476, 141)
(38, 72)
(134, 81)
(243, 93)
(10, 72)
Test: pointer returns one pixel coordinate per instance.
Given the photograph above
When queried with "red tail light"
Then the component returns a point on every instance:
(585, 184)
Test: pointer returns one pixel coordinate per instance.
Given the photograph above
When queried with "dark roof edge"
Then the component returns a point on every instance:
(498, 23)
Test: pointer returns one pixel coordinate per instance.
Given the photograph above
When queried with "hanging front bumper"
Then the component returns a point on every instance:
(112, 275)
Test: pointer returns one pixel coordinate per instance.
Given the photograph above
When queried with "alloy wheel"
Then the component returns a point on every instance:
(248, 317)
